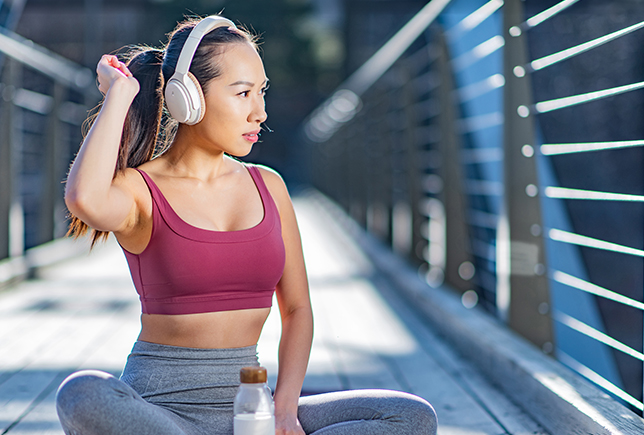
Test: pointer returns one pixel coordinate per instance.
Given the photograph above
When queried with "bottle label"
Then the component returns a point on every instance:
(254, 424)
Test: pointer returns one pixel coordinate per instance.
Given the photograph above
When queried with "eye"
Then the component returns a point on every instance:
(244, 93)
(264, 89)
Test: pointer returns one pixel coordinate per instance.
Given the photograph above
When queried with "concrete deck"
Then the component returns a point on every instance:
(84, 313)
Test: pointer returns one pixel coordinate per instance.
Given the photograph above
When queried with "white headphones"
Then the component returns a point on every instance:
(183, 95)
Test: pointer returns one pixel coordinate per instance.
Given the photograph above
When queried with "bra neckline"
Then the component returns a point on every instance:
(189, 231)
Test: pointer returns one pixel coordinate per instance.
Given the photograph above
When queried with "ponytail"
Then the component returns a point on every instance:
(143, 121)
(142, 130)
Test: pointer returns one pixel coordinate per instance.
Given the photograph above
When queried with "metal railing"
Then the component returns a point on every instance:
(44, 100)
(442, 146)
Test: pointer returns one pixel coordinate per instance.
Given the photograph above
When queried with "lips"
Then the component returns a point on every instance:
(252, 136)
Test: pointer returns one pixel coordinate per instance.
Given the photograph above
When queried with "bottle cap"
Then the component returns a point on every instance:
(252, 375)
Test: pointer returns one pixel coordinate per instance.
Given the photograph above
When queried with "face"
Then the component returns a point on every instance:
(235, 101)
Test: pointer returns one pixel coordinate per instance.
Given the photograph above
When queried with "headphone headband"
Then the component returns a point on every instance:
(196, 35)
(183, 95)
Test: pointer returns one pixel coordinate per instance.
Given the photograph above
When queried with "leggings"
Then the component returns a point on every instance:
(167, 390)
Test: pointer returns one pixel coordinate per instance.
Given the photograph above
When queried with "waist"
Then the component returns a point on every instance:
(173, 374)
(144, 352)
(216, 330)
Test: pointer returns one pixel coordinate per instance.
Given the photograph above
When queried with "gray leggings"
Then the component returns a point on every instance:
(183, 391)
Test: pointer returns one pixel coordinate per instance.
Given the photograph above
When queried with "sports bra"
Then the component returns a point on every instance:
(187, 270)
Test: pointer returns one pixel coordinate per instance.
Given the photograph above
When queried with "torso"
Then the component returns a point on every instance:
(222, 329)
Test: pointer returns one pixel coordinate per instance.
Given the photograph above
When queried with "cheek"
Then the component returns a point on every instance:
(226, 111)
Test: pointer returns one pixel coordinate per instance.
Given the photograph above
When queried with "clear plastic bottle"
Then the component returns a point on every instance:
(254, 410)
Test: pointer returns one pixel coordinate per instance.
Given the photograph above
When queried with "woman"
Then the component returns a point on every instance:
(208, 240)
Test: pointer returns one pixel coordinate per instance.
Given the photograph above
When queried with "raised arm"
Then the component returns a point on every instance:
(295, 311)
(91, 193)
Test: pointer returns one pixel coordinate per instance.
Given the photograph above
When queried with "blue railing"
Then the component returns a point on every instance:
(468, 144)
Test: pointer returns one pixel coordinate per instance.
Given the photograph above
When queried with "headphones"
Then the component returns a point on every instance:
(183, 94)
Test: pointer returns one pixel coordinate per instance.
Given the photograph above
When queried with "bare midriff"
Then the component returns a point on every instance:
(218, 330)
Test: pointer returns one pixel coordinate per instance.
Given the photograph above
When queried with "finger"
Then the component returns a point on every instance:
(121, 67)
(124, 69)
(108, 59)
(114, 61)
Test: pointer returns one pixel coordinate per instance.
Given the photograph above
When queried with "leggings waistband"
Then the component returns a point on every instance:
(147, 349)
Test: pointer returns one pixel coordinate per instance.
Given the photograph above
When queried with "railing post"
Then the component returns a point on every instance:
(401, 216)
(356, 169)
(16, 211)
(5, 162)
(457, 250)
(52, 205)
(381, 202)
(12, 234)
(414, 187)
(522, 292)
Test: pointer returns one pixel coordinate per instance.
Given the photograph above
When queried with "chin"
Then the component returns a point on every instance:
(240, 153)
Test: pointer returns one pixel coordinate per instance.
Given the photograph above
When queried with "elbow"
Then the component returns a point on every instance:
(77, 203)
(73, 201)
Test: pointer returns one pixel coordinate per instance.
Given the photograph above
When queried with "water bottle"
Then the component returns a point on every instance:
(254, 410)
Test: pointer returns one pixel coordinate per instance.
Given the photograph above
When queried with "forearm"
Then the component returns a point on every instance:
(294, 351)
(90, 177)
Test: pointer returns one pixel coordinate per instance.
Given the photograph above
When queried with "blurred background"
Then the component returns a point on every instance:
(496, 146)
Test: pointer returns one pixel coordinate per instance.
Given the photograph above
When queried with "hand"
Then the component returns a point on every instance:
(288, 425)
(110, 70)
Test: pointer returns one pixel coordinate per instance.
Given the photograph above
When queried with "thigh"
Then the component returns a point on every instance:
(362, 412)
(92, 402)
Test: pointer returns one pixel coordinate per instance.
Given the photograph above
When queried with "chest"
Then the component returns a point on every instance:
(216, 208)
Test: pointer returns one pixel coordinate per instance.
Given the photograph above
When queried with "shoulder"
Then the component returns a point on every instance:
(132, 181)
(270, 175)
(276, 185)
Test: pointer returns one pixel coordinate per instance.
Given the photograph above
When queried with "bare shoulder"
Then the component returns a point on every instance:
(272, 178)
(276, 186)
(132, 183)
(131, 180)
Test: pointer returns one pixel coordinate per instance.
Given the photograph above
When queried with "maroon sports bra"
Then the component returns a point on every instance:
(187, 270)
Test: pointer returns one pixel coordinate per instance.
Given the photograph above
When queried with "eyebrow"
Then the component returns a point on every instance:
(250, 84)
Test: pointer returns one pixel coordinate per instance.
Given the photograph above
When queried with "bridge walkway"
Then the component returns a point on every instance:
(84, 313)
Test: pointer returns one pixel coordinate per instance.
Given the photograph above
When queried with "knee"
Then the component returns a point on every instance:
(417, 414)
(81, 389)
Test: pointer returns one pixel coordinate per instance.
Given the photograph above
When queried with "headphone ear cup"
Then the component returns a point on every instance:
(185, 99)
(177, 100)
(198, 92)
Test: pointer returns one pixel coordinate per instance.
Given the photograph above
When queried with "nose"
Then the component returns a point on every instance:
(258, 113)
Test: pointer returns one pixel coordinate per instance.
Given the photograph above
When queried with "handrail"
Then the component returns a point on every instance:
(541, 17)
(475, 18)
(381, 61)
(553, 149)
(595, 377)
(585, 329)
(573, 100)
(590, 242)
(589, 287)
(567, 193)
(45, 61)
(342, 106)
(560, 56)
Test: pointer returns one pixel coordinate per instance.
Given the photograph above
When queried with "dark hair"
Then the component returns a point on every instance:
(148, 131)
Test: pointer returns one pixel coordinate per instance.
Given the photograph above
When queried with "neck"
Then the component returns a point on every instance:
(189, 156)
